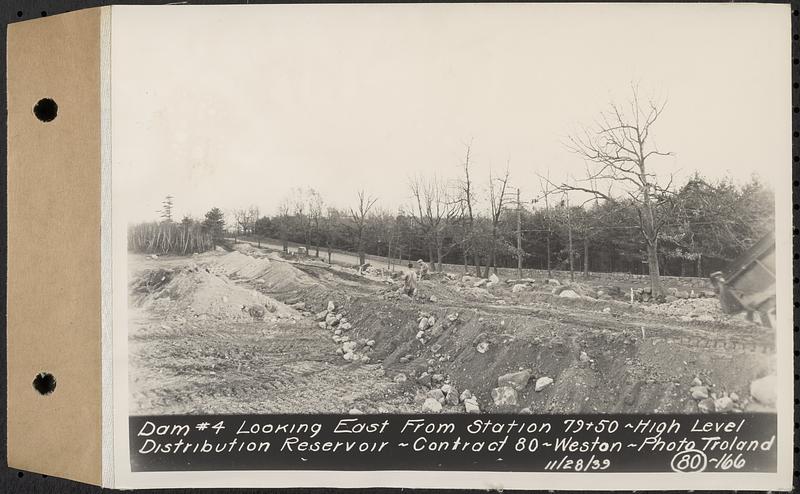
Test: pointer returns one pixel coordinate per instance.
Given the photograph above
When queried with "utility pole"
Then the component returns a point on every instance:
(519, 237)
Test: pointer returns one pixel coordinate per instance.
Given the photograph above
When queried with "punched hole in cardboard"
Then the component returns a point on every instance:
(45, 110)
(44, 383)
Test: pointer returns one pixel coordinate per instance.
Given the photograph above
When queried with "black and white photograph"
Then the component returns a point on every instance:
(451, 210)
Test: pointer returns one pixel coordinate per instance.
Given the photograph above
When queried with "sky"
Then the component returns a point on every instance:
(232, 106)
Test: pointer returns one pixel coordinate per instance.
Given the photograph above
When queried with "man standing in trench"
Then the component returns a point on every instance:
(423, 269)
(410, 282)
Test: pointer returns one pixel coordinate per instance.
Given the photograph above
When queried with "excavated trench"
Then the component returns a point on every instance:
(620, 360)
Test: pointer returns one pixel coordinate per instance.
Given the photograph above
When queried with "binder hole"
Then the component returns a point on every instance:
(46, 110)
(44, 383)
(19, 13)
(20, 474)
(44, 13)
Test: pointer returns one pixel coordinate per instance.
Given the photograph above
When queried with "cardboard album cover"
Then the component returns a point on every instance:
(491, 246)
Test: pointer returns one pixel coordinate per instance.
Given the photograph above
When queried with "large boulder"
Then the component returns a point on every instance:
(493, 278)
(765, 390)
(452, 396)
(569, 294)
(480, 283)
(519, 287)
(504, 396)
(517, 380)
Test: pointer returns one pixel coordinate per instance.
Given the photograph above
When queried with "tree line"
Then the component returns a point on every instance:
(620, 216)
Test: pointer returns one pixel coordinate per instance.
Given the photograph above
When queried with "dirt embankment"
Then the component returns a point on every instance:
(351, 341)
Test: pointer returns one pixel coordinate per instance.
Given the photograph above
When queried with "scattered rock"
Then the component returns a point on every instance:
(424, 379)
(543, 382)
(453, 317)
(465, 395)
(764, 390)
(519, 287)
(482, 347)
(471, 405)
(734, 396)
(400, 378)
(349, 346)
(526, 410)
(423, 324)
(370, 343)
(504, 396)
(331, 306)
(437, 395)
(517, 380)
(493, 278)
(584, 357)
(568, 294)
(331, 320)
(553, 282)
(349, 356)
(431, 405)
(433, 299)
(355, 411)
(480, 283)
(724, 404)
(697, 382)
(320, 316)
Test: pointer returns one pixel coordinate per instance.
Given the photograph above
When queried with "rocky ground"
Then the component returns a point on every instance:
(250, 331)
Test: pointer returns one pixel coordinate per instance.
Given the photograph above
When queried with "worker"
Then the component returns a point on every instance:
(423, 268)
(410, 282)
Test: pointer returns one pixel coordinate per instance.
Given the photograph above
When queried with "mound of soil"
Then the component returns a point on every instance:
(197, 292)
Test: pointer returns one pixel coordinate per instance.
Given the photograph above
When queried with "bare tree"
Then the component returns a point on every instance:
(544, 184)
(620, 146)
(465, 199)
(359, 217)
(432, 212)
(245, 219)
(497, 203)
(316, 207)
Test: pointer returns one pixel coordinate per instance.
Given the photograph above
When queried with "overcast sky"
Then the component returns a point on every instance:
(230, 106)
